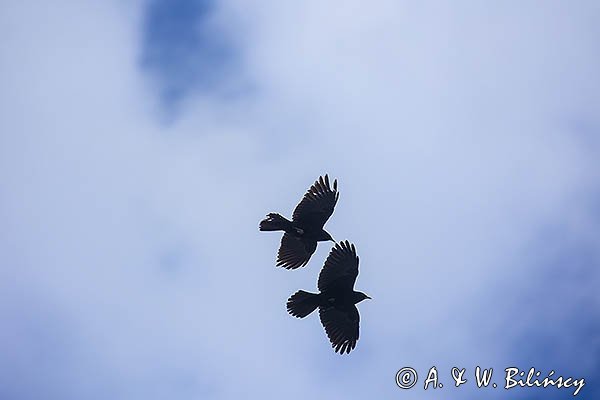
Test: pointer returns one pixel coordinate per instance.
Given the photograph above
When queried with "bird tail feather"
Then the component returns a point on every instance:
(302, 303)
(274, 222)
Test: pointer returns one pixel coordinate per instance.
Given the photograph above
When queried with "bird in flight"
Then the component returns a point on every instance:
(337, 298)
(302, 233)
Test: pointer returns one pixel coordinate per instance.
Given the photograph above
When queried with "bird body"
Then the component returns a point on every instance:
(302, 233)
(337, 298)
(299, 230)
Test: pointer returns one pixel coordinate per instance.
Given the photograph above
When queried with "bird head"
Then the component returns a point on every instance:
(328, 237)
(360, 296)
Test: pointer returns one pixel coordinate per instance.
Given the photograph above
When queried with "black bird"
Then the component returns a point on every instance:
(336, 300)
(302, 233)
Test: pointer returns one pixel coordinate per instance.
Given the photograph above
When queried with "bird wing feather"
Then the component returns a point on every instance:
(295, 252)
(340, 269)
(341, 327)
(318, 203)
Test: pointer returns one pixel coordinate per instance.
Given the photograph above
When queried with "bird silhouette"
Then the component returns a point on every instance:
(337, 298)
(302, 233)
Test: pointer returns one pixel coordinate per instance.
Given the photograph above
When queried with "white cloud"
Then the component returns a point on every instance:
(448, 129)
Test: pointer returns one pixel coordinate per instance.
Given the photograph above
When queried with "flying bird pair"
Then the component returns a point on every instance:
(337, 298)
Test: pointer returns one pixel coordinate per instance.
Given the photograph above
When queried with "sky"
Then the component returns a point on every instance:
(141, 142)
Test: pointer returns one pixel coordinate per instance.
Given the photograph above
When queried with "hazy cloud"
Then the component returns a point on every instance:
(463, 138)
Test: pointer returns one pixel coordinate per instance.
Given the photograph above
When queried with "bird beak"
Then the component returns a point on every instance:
(368, 297)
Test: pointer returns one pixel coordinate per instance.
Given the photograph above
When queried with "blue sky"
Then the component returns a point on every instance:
(183, 50)
(141, 143)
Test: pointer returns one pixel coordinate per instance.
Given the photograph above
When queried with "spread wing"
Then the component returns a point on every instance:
(294, 253)
(341, 327)
(340, 269)
(318, 203)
